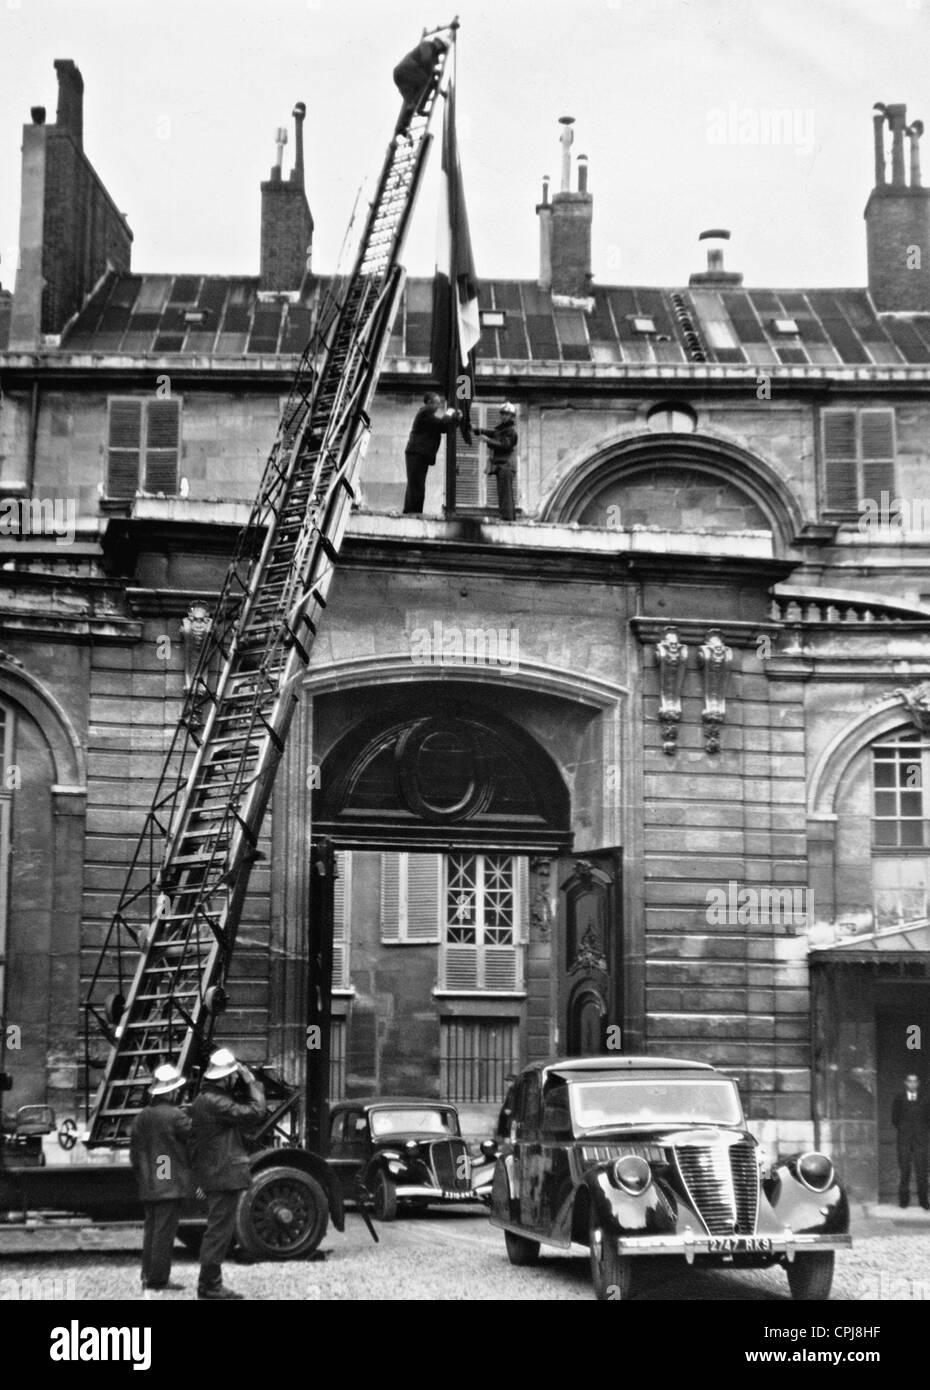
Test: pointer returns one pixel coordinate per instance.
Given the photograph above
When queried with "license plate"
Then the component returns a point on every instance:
(732, 1245)
(458, 1196)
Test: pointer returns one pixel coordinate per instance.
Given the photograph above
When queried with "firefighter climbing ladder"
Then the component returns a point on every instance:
(159, 981)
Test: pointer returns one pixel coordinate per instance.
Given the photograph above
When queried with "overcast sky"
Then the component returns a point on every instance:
(672, 101)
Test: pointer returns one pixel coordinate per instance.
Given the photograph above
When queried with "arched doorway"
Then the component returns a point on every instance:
(445, 816)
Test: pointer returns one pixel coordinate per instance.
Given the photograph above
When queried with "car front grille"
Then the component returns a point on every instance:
(451, 1173)
(722, 1183)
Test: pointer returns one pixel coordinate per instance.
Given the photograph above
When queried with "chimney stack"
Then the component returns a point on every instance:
(897, 219)
(70, 115)
(70, 230)
(715, 274)
(287, 223)
(565, 227)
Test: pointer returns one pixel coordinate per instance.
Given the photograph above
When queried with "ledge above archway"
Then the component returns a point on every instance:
(720, 461)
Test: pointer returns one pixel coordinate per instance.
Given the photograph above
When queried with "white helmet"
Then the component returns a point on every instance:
(222, 1063)
(167, 1079)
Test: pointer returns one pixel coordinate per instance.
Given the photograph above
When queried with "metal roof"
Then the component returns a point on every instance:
(225, 316)
(907, 942)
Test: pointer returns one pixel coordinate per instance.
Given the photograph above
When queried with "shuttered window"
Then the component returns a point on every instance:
(485, 923)
(143, 446)
(858, 457)
(342, 898)
(411, 886)
(473, 486)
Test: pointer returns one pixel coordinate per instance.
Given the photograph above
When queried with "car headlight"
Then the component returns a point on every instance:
(632, 1174)
(816, 1171)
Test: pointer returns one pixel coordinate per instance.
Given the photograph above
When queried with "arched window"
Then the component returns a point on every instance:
(900, 828)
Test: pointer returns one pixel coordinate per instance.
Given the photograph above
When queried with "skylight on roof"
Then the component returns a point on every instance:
(640, 323)
(787, 327)
(493, 318)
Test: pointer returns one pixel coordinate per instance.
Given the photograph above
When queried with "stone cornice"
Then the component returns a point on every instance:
(59, 366)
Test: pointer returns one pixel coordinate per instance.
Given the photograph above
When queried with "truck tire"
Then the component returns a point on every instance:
(283, 1215)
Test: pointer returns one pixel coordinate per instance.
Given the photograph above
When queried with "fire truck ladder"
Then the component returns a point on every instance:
(159, 982)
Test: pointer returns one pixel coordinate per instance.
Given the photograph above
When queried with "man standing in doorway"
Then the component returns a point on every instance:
(910, 1115)
(502, 441)
(221, 1164)
(430, 423)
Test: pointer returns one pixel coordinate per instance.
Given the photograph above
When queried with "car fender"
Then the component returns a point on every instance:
(795, 1205)
(310, 1163)
(648, 1213)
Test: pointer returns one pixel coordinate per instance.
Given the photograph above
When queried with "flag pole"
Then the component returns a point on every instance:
(452, 357)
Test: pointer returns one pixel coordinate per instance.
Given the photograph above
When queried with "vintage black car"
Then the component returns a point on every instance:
(640, 1156)
(406, 1151)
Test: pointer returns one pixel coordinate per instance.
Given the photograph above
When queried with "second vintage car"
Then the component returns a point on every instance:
(649, 1156)
(406, 1152)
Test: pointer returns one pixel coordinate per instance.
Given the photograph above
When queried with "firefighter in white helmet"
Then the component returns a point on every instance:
(221, 1164)
(158, 1148)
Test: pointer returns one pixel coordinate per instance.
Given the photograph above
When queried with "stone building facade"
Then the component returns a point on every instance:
(642, 769)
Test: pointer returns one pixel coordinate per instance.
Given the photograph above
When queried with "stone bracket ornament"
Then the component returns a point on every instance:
(671, 654)
(917, 703)
(716, 658)
(194, 629)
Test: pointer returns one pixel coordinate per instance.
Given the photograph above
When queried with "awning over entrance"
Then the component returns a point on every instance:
(905, 942)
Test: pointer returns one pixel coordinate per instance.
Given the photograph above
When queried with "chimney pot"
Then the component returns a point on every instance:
(715, 274)
(38, 115)
(582, 173)
(297, 173)
(567, 136)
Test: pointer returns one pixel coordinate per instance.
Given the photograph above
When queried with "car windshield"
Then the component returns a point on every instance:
(413, 1121)
(606, 1104)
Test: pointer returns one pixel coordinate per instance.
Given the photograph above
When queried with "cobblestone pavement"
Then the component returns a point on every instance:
(457, 1255)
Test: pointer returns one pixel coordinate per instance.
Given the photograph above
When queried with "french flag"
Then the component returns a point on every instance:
(456, 325)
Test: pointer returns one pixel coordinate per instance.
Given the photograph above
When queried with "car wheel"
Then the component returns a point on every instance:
(810, 1276)
(385, 1197)
(520, 1250)
(283, 1215)
(611, 1273)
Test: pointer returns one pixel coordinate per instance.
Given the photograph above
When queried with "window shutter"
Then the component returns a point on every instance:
(878, 452)
(341, 898)
(523, 898)
(390, 896)
(124, 448)
(162, 437)
(461, 967)
(841, 490)
(471, 461)
(500, 967)
(423, 896)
